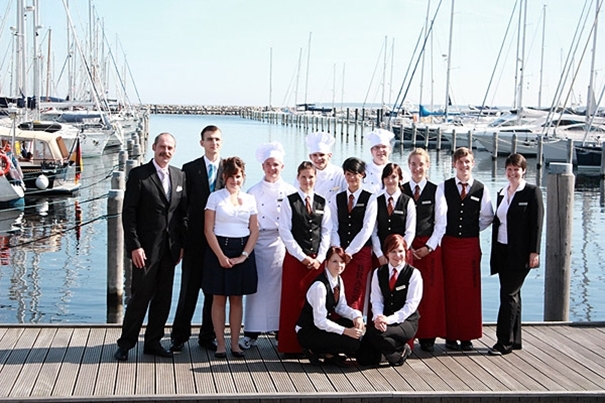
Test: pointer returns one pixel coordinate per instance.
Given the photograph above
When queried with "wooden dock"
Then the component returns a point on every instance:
(560, 363)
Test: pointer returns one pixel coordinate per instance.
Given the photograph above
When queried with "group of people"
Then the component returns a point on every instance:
(312, 259)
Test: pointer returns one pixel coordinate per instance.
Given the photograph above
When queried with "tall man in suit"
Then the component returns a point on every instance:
(204, 175)
(155, 223)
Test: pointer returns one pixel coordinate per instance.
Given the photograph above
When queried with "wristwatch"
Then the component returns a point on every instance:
(245, 254)
(429, 248)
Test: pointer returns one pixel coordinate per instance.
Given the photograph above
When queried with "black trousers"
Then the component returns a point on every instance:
(322, 342)
(191, 282)
(391, 342)
(151, 289)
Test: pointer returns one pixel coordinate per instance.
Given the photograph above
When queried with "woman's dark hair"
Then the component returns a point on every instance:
(516, 160)
(393, 241)
(305, 165)
(232, 166)
(335, 250)
(388, 170)
(354, 165)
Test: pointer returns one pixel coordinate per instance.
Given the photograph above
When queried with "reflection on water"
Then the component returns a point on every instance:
(53, 252)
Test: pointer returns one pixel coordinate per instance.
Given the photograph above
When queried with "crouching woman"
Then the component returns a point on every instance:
(318, 333)
(395, 295)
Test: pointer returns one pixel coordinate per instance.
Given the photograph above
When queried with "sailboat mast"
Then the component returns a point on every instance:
(449, 64)
(521, 73)
(590, 106)
(384, 72)
(342, 93)
(37, 86)
(334, 87)
(308, 59)
(48, 65)
(542, 55)
(297, 77)
(426, 28)
(270, 75)
(392, 69)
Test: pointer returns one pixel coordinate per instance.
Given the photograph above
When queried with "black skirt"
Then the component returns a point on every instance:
(241, 279)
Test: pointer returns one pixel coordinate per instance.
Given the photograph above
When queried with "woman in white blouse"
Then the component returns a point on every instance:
(231, 228)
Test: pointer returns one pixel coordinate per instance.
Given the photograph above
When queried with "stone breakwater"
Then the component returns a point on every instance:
(202, 109)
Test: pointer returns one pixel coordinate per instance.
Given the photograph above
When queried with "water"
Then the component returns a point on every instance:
(55, 269)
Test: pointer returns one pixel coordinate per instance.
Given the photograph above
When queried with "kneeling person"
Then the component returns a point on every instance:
(317, 332)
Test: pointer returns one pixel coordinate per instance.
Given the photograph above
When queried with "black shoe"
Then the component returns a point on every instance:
(337, 361)
(237, 354)
(499, 349)
(121, 354)
(222, 354)
(176, 346)
(427, 346)
(466, 345)
(517, 346)
(158, 351)
(407, 351)
(452, 345)
(209, 345)
(312, 357)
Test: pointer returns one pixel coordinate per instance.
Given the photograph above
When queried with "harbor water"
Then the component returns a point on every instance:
(53, 253)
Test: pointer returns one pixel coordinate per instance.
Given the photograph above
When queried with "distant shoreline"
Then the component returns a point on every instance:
(161, 109)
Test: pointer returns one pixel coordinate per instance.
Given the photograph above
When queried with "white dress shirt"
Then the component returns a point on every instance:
(411, 302)
(502, 211)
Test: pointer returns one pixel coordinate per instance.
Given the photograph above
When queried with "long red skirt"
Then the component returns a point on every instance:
(462, 280)
(355, 277)
(296, 279)
(432, 305)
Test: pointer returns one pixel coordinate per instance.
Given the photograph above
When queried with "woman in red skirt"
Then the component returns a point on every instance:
(305, 230)
(431, 215)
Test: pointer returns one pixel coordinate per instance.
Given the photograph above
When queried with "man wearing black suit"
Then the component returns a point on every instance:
(155, 223)
(204, 175)
(515, 249)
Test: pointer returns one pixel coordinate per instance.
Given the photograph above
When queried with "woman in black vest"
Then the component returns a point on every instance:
(353, 218)
(317, 331)
(398, 219)
(395, 296)
(517, 232)
(304, 227)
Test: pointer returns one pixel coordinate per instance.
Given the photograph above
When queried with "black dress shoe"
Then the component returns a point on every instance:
(337, 361)
(176, 346)
(237, 354)
(499, 349)
(452, 345)
(209, 345)
(222, 354)
(407, 351)
(427, 346)
(121, 354)
(466, 345)
(517, 346)
(158, 351)
(312, 357)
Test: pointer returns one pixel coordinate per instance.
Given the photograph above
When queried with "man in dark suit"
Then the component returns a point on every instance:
(155, 223)
(204, 175)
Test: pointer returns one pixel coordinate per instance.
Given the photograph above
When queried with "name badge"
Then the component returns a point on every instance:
(522, 203)
(474, 198)
(179, 189)
(400, 212)
(335, 188)
(360, 205)
(280, 200)
(319, 212)
(427, 202)
(401, 287)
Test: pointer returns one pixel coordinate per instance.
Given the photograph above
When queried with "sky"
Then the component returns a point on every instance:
(256, 52)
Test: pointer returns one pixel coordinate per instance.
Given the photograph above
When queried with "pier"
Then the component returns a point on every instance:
(561, 362)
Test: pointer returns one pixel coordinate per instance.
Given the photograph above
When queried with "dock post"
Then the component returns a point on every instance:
(439, 137)
(470, 140)
(495, 153)
(128, 167)
(559, 220)
(513, 144)
(540, 156)
(122, 157)
(129, 145)
(427, 133)
(115, 256)
(570, 151)
(414, 134)
(453, 141)
(117, 180)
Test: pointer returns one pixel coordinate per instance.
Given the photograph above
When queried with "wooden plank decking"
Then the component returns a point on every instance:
(563, 362)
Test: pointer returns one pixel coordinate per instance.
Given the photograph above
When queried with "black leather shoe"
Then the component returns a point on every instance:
(121, 354)
(221, 355)
(499, 349)
(312, 357)
(176, 346)
(466, 345)
(337, 361)
(407, 351)
(237, 354)
(158, 351)
(452, 345)
(208, 344)
(427, 346)
(517, 346)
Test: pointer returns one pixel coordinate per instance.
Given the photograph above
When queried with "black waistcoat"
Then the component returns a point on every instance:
(463, 215)
(395, 300)
(425, 208)
(350, 224)
(305, 319)
(306, 228)
(395, 223)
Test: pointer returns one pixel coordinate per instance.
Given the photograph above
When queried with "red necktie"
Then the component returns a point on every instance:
(463, 193)
(393, 280)
(416, 192)
(336, 294)
(351, 201)
(390, 206)
(308, 205)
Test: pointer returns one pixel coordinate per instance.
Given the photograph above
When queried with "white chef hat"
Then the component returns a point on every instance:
(270, 150)
(379, 137)
(320, 142)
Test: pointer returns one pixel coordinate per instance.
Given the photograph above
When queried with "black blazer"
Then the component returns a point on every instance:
(198, 191)
(147, 215)
(523, 226)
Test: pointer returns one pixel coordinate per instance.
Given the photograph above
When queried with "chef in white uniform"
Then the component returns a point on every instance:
(380, 148)
(330, 177)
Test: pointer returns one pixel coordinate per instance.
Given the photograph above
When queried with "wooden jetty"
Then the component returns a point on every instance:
(564, 362)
